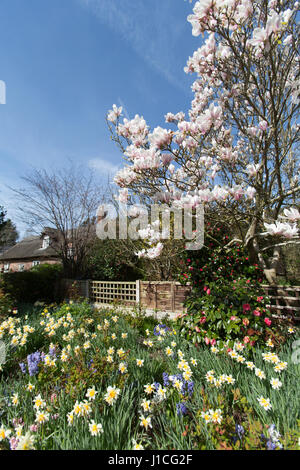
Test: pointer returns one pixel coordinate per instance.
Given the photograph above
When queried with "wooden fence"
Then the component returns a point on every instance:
(104, 292)
(162, 296)
(284, 301)
(170, 295)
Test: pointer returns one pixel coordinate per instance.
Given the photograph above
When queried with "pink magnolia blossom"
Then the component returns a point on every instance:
(263, 125)
(282, 229)
(259, 38)
(114, 113)
(292, 214)
(123, 195)
(274, 24)
(250, 192)
(252, 169)
(160, 138)
(288, 40)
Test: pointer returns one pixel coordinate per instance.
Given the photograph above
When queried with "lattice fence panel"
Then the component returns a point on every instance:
(106, 292)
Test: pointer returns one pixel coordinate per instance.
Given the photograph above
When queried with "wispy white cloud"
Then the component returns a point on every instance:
(124, 110)
(103, 166)
(154, 41)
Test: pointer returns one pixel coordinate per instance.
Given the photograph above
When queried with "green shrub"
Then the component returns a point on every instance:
(38, 284)
(5, 303)
(227, 311)
(227, 302)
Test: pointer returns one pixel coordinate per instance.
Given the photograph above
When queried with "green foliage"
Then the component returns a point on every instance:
(226, 311)
(226, 303)
(5, 304)
(109, 261)
(37, 284)
(218, 260)
(8, 231)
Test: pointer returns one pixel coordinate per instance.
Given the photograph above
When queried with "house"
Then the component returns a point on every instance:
(31, 251)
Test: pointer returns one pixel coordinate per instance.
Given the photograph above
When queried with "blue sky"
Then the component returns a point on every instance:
(65, 62)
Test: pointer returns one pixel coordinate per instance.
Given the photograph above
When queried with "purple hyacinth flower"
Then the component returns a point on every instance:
(181, 409)
(23, 367)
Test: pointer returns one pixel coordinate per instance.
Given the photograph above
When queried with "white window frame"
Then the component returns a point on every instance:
(6, 267)
(21, 267)
(46, 242)
(35, 263)
(70, 251)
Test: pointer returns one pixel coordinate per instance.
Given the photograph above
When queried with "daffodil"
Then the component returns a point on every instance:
(122, 367)
(4, 433)
(95, 428)
(149, 388)
(111, 395)
(145, 422)
(146, 405)
(136, 445)
(30, 387)
(275, 383)
(15, 399)
(26, 442)
(42, 417)
(91, 393)
(264, 403)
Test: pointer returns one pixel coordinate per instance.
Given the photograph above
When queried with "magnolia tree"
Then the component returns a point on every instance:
(236, 148)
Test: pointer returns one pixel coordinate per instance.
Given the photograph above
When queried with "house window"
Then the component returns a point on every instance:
(70, 252)
(35, 263)
(21, 267)
(6, 267)
(46, 242)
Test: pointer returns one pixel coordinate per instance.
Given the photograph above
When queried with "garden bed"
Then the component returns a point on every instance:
(79, 378)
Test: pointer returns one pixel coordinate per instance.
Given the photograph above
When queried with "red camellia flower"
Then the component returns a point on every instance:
(259, 299)
(256, 313)
(208, 291)
(246, 307)
(267, 321)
